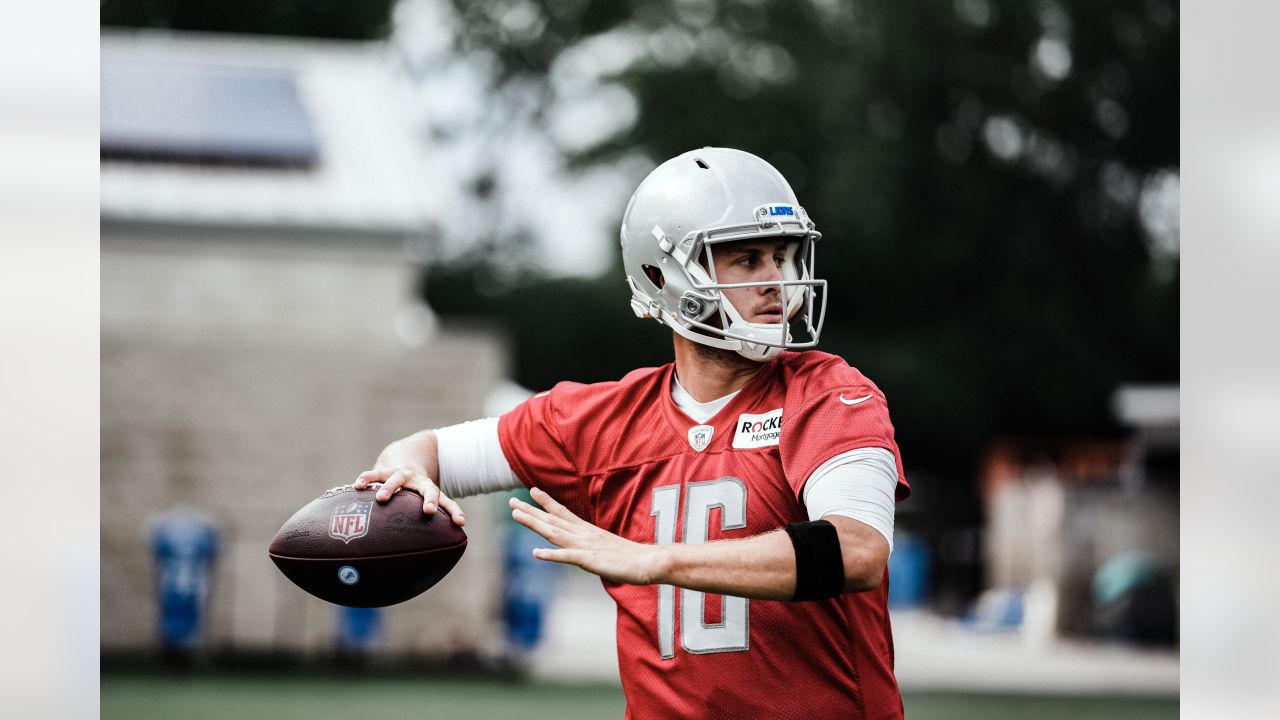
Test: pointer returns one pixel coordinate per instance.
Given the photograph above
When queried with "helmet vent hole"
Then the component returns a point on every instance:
(654, 275)
(702, 164)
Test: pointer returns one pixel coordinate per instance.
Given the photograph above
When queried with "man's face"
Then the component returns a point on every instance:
(753, 261)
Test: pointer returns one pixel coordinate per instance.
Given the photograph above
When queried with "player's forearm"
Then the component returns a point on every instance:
(418, 451)
(763, 566)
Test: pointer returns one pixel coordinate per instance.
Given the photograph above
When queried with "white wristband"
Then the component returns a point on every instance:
(471, 459)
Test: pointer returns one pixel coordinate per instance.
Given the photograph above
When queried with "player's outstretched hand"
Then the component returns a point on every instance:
(585, 545)
(395, 478)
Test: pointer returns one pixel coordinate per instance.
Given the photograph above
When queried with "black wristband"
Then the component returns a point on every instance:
(819, 563)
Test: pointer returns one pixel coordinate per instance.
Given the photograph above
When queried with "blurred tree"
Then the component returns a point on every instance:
(365, 20)
(980, 171)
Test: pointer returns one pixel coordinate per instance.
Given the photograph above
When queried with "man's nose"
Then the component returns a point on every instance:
(772, 273)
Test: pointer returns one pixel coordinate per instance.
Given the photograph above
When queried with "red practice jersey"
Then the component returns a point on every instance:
(623, 456)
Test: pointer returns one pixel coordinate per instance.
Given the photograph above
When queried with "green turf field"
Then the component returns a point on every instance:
(291, 697)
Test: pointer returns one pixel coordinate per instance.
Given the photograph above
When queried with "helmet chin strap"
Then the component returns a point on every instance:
(756, 351)
(750, 351)
(696, 336)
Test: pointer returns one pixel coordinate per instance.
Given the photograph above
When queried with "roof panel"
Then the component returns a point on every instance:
(204, 112)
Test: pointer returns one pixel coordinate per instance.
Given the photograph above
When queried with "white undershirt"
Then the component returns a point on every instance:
(699, 411)
(858, 484)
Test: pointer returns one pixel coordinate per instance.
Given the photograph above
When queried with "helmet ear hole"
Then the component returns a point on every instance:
(654, 275)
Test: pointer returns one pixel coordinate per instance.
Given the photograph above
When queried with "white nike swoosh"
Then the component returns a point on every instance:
(854, 402)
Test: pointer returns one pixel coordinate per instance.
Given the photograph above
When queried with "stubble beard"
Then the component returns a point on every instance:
(728, 359)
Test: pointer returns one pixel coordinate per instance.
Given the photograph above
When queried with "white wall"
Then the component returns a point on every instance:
(244, 379)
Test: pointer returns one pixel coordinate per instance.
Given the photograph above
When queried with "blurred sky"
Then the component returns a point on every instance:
(573, 217)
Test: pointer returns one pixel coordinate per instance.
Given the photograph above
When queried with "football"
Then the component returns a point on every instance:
(350, 549)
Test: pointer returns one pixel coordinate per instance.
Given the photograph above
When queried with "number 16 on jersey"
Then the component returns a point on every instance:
(696, 635)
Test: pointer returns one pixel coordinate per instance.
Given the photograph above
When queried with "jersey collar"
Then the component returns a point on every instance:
(722, 421)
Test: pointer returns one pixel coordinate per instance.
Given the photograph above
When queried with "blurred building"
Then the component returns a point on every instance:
(1085, 533)
(263, 202)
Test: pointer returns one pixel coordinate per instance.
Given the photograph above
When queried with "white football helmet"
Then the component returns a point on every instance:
(686, 207)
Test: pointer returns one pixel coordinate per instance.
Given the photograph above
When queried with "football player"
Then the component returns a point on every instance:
(737, 503)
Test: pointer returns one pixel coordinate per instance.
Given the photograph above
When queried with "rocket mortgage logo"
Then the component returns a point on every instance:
(754, 431)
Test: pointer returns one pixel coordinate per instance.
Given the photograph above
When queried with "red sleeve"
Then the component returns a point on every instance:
(831, 421)
(533, 440)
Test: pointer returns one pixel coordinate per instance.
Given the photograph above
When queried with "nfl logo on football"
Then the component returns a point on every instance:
(350, 521)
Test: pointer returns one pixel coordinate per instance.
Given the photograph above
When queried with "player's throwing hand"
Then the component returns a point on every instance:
(395, 478)
(585, 545)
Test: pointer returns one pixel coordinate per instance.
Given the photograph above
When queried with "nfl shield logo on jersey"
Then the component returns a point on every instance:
(350, 521)
(700, 437)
